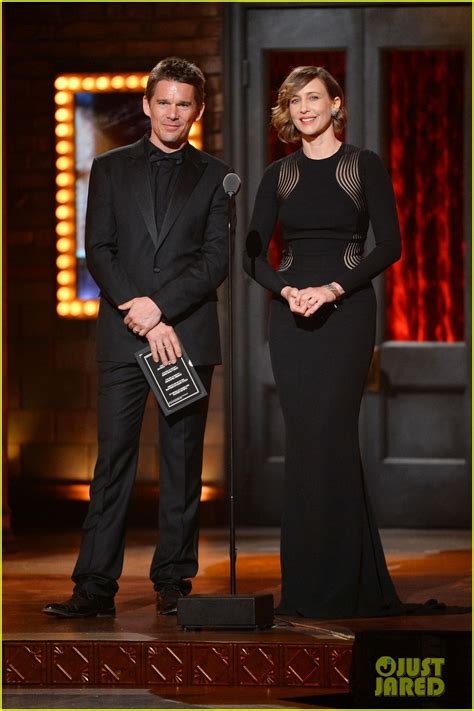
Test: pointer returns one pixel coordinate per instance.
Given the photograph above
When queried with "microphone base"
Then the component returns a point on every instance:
(232, 612)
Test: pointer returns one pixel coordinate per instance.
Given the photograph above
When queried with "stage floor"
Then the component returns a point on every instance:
(139, 650)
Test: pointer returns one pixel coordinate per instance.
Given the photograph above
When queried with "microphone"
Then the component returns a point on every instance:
(231, 184)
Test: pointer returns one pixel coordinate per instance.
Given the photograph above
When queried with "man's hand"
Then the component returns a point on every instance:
(143, 314)
(164, 344)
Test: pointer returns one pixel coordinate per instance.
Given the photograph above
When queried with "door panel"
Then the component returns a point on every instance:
(420, 474)
(413, 432)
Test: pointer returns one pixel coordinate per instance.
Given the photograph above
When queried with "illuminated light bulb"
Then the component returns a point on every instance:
(65, 277)
(64, 179)
(63, 212)
(63, 229)
(117, 82)
(144, 81)
(63, 97)
(64, 163)
(88, 84)
(63, 130)
(63, 147)
(65, 293)
(63, 308)
(64, 195)
(65, 261)
(61, 83)
(64, 244)
(132, 82)
(74, 83)
(102, 83)
(76, 308)
(63, 115)
(90, 308)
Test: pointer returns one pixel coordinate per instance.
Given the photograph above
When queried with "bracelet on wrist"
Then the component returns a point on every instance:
(334, 290)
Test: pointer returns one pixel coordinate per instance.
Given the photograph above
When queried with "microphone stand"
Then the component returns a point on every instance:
(228, 611)
(230, 386)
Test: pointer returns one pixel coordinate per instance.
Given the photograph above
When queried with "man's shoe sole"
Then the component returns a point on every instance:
(63, 613)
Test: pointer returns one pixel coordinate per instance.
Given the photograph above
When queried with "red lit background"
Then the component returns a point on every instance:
(425, 289)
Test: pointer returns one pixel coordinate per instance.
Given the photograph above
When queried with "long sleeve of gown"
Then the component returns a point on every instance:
(384, 219)
(260, 232)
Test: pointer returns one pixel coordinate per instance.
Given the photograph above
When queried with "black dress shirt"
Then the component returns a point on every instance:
(164, 170)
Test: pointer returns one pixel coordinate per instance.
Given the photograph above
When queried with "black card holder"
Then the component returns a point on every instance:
(174, 386)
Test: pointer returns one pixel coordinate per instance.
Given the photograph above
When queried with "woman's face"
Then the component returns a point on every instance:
(310, 108)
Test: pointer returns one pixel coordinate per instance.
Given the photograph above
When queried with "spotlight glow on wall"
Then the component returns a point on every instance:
(68, 304)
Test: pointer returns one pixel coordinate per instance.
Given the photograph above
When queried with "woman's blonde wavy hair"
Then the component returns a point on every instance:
(294, 82)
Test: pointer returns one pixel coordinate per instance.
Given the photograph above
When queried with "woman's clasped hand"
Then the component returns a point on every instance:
(306, 302)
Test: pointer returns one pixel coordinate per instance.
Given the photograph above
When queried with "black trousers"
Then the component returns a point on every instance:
(122, 396)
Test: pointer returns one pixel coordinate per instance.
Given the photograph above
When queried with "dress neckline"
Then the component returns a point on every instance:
(322, 160)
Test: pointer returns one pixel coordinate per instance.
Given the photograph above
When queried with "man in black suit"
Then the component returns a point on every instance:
(156, 244)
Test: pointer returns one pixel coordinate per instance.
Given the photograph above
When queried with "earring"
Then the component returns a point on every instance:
(334, 113)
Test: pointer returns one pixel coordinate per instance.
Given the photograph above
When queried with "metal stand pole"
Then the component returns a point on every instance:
(228, 611)
(230, 386)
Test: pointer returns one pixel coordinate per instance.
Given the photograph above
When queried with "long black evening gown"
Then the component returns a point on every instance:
(332, 559)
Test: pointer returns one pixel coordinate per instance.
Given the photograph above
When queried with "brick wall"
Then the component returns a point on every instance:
(51, 366)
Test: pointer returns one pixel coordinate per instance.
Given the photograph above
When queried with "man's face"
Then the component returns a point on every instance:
(172, 111)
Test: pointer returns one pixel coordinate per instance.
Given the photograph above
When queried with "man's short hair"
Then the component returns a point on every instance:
(177, 69)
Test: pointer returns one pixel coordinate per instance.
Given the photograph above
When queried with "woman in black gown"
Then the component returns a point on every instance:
(322, 330)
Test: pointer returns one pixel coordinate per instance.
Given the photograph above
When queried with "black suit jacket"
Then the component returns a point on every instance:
(180, 268)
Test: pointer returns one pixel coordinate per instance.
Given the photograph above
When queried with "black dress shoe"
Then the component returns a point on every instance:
(167, 599)
(82, 605)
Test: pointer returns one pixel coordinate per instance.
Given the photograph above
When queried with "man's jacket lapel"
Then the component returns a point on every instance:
(189, 175)
(142, 187)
